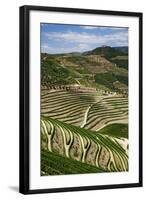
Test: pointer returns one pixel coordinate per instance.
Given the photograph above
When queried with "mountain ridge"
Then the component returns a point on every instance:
(120, 48)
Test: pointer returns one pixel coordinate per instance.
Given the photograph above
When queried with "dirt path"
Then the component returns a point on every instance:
(88, 109)
(85, 117)
(78, 82)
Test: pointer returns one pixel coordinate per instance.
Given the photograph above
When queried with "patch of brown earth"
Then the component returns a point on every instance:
(91, 154)
(57, 142)
(104, 157)
(76, 149)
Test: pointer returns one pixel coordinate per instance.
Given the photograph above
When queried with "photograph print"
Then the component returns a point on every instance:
(84, 99)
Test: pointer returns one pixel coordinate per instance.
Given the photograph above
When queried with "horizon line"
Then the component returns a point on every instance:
(83, 51)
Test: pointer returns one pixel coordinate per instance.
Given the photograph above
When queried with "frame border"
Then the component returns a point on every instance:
(24, 98)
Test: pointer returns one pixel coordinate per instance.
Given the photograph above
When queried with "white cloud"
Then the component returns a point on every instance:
(70, 41)
(83, 46)
(88, 38)
(45, 48)
(104, 28)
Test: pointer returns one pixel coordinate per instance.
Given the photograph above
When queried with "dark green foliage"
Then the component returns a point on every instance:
(115, 130)
(121, 63)
(123, 49)
(106, 51)
(122, 79)
(106, 79)
(54, 74)
(109, 78)
(55, 164)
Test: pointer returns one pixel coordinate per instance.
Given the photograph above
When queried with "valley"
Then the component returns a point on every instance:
(84, 112)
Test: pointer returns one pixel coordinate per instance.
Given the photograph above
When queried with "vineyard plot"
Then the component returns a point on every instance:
(82, 128)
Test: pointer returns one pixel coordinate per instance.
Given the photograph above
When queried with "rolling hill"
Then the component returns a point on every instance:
(84, 112)
(106, 51)
(86, 68)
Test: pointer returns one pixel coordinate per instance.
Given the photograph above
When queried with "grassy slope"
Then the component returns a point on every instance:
(115, 130)
(121, 61)
(85, 132)
(55, 164)
(109, 78)
(106, 79)
(53, 73)
(105, 141)
(60, 70)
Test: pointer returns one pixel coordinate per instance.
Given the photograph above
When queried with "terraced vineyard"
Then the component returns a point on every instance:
(55, 164)
(87, 110)
(107, 111)
(103, 151)
(67, 106)
(72, 127)
(84, 108)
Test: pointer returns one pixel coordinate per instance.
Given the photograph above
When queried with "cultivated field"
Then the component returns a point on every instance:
(103, 151)
(86, 127)
(88, 110)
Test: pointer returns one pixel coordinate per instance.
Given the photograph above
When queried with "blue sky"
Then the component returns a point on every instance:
(59, 38)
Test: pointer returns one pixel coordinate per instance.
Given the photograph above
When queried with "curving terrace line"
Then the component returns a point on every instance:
(99, 150)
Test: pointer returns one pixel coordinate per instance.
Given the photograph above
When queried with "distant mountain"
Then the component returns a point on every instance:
(116, 55)
(106, 51)
(68, 54)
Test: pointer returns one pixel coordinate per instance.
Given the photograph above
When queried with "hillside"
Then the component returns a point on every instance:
(84, 112)
(106, 51)
(55, 164)
(90, 110)
(104, 152)
(123, 49)
(86, 69)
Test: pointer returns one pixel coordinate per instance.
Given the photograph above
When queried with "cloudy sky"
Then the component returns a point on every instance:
(58, 38)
